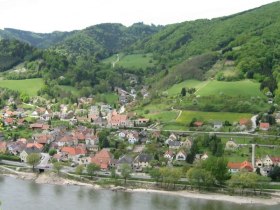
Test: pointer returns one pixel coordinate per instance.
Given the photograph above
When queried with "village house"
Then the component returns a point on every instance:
(187, 144)
(141, 121)
(181, 156)
(198, 123)
(103, 159)
(236, 167)
(73, 153)
(3, 147)
(142, 161)
(133, 137)
(39, 126)
(174, 144)
(125, 159)
(169, 155)
(67, 140)
(217, 125)
(27, 151)
(231, 145)
(264, 126)
(116, 120)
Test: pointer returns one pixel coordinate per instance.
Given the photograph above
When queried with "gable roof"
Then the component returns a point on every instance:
(102, 158)
(73, 150)
(244, 165)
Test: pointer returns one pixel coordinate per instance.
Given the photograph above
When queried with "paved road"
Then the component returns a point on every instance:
(13, 163)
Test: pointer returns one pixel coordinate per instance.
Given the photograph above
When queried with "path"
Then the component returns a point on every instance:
(202, 86)
(116, 61)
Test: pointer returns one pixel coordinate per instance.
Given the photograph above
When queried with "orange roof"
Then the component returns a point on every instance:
(244, 121)
(37, 145)
(9, 120)
(3, 145)
(102, 158)
(244, 165)
(198, 123)
(73, 150)
(118, 118)
(264, 125)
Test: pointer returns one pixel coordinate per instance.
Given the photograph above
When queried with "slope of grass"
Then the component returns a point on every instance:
(237, 88)
(176, 89)
(187, 116)
(131, 61)
(29, 86)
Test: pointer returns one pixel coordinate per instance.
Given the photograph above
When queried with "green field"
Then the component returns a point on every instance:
(132, 61)
(187, 116)
(237, 88)
(163, 116)
(29, 86)
(110, 98)
(176, 89)
(213, 87)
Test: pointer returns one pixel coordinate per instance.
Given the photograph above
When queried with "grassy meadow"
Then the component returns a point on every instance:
(132, 61)
(29, 86)
(236, 88)
(187, 116)
(214, 87)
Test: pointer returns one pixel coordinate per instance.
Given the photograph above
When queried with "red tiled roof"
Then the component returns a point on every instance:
(73, 150)
(9, 120)
(244, 121)
(3, 145)
(275, 159)
(244, 165)
(102, 158)
(198, 123)
(38, 146)
(264, 125)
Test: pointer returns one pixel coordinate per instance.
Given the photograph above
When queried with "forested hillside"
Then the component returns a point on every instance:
(249, 39)
(247, 42)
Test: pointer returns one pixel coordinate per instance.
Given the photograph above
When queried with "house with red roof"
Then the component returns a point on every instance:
(264, 126)
(3, 147)
(169, 154)
(103, 159)
(236, 166)
(73, 153)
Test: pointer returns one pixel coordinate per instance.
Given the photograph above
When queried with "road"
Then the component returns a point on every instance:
(13, 163)
(44, 163)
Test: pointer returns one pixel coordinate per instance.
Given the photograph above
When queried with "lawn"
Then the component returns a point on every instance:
(163, 116)
(237, 88)
(132, 61)
(29, 86)
(176, 89)
(110, 98)
(187, 116)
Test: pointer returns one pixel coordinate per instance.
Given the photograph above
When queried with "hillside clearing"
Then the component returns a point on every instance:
(187, 116)
(29, 86)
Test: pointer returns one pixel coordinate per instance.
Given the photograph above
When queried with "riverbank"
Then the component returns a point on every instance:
(52, 178)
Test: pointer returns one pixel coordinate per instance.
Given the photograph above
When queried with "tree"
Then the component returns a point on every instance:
(193, 151)
(274, 174)
(57, 167)
(52, 152)
(79, 169)
(217, 166)
(92, 168)
(183, 92)
(242, 180)
(155, 174)
(33, 159)
(126, 170)
(200, 177)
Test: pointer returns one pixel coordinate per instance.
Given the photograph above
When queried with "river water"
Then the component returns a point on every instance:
(16, 194)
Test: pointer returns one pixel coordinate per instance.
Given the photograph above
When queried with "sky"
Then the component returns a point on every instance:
(66, 15)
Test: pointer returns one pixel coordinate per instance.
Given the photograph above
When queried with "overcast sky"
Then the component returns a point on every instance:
(66, 15)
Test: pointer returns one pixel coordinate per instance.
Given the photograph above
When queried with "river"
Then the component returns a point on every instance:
(16, 194)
